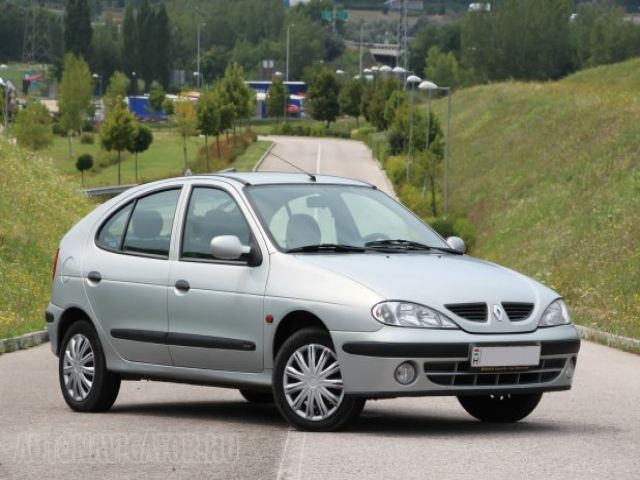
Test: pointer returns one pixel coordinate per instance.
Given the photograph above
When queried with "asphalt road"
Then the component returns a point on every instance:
(328, 156)
(157, 429)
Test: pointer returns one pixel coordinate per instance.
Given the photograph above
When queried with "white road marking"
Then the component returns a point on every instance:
(319, 158)
(292, 456)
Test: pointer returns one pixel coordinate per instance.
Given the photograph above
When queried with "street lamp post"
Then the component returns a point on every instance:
(200, 24)
(399, 71)
(429, 87)
(99, 78)
(413, 80)
(286, 77)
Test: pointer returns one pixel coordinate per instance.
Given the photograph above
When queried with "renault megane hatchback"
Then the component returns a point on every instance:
(316, 293)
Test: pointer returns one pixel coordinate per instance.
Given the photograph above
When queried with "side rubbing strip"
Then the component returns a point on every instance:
(182, 339)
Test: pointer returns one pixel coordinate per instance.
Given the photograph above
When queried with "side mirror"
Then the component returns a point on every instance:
(228, 247)
(457, 244)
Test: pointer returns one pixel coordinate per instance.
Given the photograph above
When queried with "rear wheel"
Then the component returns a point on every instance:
(86, 384)
(503, 408)
(257, 396)
(307, 384)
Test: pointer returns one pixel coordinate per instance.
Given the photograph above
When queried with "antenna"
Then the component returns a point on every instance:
(310, 175)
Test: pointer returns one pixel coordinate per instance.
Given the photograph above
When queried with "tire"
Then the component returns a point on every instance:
(101, 388)
(504, 408)
(326, 389)
(257, 396)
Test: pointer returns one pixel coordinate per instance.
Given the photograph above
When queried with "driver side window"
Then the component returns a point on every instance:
(211, 212)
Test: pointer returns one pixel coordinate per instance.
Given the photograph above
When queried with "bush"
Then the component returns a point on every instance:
(59, 129)
(87, 138)
(455, 226)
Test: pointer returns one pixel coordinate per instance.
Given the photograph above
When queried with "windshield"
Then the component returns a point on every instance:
(297, 216)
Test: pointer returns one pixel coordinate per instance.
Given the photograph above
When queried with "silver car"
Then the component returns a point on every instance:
(316, 293)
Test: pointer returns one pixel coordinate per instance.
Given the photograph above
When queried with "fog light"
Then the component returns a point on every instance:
(570, 368)
(405, 373)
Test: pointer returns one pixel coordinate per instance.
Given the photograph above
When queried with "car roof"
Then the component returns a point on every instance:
(273, 178)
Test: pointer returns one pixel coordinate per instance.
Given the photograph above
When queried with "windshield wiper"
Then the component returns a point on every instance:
(408, 245)
(327, 247)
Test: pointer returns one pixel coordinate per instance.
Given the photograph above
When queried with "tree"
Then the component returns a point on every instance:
(74, 95)
(322, 97)
(129, 53)
(118, 87)
(208, 112)
(84, 162)
(147, 43)
(186, 123)
(168, 107)
(161, 53)
(118, 131)
(105, 54)
(237, 92)
(142, 140)
(442, 68)
(32, 127)
(350, 99)
(156, 96)
(277, 95)
(77, 29)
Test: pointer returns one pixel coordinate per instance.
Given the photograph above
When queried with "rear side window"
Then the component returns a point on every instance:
(149, 229)
(110, 236)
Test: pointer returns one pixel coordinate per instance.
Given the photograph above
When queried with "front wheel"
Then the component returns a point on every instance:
(86, 384)
(307, 384)
(502, 408)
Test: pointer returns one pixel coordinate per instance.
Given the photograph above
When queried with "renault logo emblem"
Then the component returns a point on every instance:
(498, 313)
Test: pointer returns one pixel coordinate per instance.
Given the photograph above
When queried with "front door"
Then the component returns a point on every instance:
(215, 306)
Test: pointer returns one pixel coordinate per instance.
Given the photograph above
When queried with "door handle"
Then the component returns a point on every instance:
(95, 277)
(182, 286)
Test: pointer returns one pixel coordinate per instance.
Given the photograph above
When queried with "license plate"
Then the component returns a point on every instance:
(505, 356)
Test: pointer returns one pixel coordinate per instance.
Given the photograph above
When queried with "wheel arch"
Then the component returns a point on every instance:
(69, 317)
(293, 322)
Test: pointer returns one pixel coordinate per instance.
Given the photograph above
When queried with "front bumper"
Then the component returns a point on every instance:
(441, 357)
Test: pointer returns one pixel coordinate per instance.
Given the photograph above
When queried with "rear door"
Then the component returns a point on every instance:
(126, 272)
(216, 306)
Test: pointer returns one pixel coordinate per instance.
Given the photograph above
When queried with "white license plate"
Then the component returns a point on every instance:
(521, 356)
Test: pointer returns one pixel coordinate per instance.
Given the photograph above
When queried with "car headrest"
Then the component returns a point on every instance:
(302, 230)
(147, 224)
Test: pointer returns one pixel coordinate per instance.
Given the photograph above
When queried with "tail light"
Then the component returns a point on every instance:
(55, 264)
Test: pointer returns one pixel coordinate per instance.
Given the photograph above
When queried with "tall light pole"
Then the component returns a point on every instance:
(200, 24)
(429, 87)
(360, 53)
(99, 78)
(286, 73)
(412, 80)
(399, 72)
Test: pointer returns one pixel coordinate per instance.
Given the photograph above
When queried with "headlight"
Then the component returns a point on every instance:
(405, 314)
(555, 314)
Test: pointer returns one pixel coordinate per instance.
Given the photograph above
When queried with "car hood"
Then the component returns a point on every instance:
(436, 280)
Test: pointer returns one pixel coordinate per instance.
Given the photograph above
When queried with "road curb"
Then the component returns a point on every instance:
(23, 341)
(609, 339)
(266, 153)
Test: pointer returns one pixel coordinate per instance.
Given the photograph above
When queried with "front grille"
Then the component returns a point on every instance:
(475, 312)
(517, 311)
(460, 374)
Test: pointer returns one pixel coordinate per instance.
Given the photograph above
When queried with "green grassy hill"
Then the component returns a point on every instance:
(549, 173)
(36, 208)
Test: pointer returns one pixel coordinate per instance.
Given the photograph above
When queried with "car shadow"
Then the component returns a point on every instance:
(227, 411)
(371, 422)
